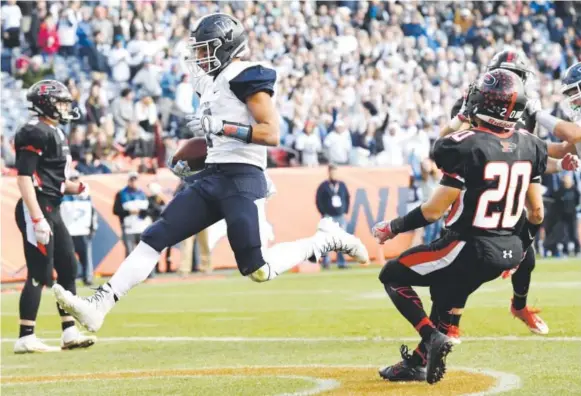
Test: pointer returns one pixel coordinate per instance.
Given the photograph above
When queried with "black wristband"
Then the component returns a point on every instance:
(237, 131)
(411, 221)
(528, 233)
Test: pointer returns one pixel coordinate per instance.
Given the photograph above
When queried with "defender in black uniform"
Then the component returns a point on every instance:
(43, 162)
(521, 277)
(490, 174)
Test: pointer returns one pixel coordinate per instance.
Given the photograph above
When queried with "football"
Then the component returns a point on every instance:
(193, 151)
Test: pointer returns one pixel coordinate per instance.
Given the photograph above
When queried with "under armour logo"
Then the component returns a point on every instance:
(507, 254)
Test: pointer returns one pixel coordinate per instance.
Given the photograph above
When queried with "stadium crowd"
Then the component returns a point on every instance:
(365, 83)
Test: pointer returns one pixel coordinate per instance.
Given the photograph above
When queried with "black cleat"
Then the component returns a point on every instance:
(404, 371)
(439, 346)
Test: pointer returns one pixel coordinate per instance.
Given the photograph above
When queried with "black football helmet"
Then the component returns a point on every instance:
(497, 99)
(51, 99)
(510, 60)
(571, 89)
(214, 42)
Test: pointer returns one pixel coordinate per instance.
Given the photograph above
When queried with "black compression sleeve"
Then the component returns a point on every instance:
(26, 162)
(411, 221)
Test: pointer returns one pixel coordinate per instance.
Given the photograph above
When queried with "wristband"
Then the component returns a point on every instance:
(237, 131)
(547, 120)
(411, 221)
(560, 165)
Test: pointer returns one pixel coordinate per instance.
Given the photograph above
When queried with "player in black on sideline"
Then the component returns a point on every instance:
(490, 174)
(521, 277)
(43, 162)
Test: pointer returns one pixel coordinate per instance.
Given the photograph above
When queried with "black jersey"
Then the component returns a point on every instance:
(526, 122)
(42, 152)
(494, 172)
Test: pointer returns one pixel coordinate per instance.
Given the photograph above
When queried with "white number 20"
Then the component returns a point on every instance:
(508, 179)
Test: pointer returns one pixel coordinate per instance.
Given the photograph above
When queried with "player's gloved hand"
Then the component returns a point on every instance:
(382, 232)
(508, 273)
(42, 230)
(464, 111)
(83, 191)
(569, 162)
(206, 124)
(530, 114)
(180, 168)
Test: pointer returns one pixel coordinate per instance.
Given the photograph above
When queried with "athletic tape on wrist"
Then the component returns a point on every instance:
(234, 130)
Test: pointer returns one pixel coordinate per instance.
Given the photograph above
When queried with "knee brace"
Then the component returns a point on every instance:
(263, 274)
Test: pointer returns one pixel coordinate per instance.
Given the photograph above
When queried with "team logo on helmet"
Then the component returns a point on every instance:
(225, 26)
(46, 88)
(488, 79)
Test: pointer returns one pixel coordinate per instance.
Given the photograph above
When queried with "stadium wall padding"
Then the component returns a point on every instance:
(376, 194)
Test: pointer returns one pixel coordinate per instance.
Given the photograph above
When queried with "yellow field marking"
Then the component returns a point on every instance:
(352, 380)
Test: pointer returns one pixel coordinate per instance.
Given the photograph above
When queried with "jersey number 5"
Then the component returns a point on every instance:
(508, 177)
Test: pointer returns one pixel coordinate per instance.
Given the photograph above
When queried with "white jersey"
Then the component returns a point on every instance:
(223, 97)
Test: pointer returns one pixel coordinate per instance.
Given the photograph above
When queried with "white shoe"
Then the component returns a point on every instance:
(331, 237)
(72, 338)
(31, 344)
(88, 311)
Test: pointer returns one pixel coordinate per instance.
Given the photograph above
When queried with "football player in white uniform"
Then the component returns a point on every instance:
(239, 119)
(568, 131)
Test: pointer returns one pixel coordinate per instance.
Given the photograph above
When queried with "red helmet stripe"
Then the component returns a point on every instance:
(511, 105)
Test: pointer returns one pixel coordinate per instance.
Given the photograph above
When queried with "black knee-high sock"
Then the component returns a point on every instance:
(30, 300)
(521, 280)
(407, 301)
(28, 306)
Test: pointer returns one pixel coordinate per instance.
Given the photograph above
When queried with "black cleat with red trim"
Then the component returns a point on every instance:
(439, 346)
(411, 368)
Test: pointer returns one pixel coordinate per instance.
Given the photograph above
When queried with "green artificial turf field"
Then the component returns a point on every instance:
(324, 333)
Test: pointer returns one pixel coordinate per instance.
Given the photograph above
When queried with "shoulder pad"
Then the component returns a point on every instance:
(252, 79)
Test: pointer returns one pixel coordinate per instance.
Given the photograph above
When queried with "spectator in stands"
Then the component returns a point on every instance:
(102, 24)
(333, 201)
(89, 165)
(119, 59)
(97, 53)
(169, 81)
(131, 207)
(338, 144)
(48, 39)
(67, 32)
(95, 110)
(11, 17)
(77, 143)
(7, 152)
(308, 144)
(567, 198)
(122, 109)
(184, 101)
(80, 218)
(33, 71)
(148, 79)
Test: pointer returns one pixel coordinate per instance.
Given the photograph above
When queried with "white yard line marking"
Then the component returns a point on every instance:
(504, 381)
(313, 339)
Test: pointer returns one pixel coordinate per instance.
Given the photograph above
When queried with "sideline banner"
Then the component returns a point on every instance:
(376, 194)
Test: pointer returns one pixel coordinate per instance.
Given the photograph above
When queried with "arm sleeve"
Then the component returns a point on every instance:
(30, 145)
(253, 80)
(541, 157)
(449, 159)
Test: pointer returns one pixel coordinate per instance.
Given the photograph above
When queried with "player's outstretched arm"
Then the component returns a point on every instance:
(569, 162)
(266, 131)
(564, 130)
(425, 214)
